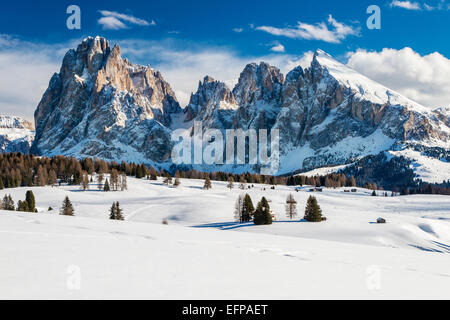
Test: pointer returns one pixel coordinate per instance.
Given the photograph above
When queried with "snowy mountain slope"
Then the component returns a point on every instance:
(327, 114)
(16, 134)
(345, 257)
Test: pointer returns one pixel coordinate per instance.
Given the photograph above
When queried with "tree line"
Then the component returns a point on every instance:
(20, 170)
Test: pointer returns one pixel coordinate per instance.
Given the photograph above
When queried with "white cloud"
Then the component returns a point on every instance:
(112, 20)
(405, 5)
(238, 30)
(421, 78)
(278, 48)
(26, 70)
(332, 31)
(111, 23)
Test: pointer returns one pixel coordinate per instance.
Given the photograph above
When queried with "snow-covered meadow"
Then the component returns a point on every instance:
(203, 254)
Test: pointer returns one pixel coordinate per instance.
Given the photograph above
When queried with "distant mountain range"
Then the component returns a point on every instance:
(101, 104)
(16, 134)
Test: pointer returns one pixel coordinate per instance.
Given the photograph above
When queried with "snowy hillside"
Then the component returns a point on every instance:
(201, 253)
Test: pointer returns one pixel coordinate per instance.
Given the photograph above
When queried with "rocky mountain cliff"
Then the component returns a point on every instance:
(16, 134)
(327, 114)
(100, 104)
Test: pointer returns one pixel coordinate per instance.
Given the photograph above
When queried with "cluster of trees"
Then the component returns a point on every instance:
(28, 205)
(19, 170)
(334, 180)
(246, 212)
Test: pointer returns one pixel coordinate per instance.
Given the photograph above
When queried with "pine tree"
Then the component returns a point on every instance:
(207, 185)
(230, 183)
(67, 208)
(374, 193)
(113, 212)
(31, 202)
(1, 184)
(116, 213)
(119, 212)
(291, 207)
(177, 182)
(106, 187)
(313, 213)
(22, 206)
(263, 215)
(248, 209)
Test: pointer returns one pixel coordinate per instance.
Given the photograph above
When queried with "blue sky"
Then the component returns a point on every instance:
(188, 39)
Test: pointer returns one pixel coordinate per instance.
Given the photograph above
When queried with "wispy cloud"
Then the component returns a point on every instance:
(112, 20)
(330, 31)
(278, 48)
(405, 5)
(416, 6)
(238, 30)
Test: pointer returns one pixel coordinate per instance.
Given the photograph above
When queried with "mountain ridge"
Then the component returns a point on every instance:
(327, 114)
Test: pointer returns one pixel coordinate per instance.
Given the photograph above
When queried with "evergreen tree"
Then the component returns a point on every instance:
(67, 208)
(291, 207)
(116, 213)
(106, 187)
(263, 215)
(374, 193)
(1, 184)
(207, 185)
(22, 206)
(31, 202)
(313, 213)
(113, 211)
(248, 209)
(119, 212)
(177, 182)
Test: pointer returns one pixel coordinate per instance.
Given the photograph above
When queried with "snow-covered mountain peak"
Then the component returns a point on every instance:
(16, 134)
(362, 86)
(12, 122)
